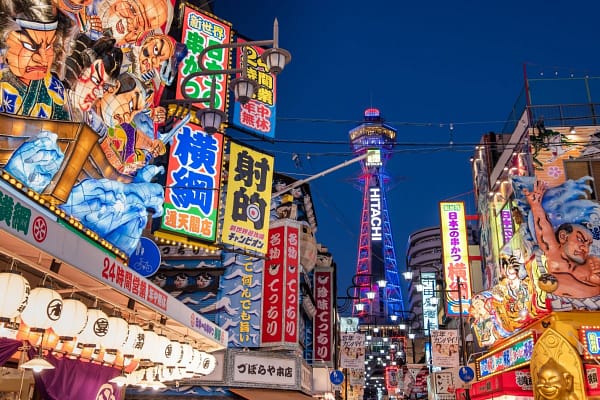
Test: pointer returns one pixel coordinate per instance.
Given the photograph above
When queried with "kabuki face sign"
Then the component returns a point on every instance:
(102, 62)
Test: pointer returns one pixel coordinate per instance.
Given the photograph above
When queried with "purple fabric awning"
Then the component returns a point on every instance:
(8, 347)
(77, 380)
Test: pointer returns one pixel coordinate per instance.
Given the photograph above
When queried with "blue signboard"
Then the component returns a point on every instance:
(336, 377)
(145, 260)
(466, 374)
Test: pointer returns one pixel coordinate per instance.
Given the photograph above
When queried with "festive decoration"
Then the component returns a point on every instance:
(72, 318)
(118, 329)
(43, 308)
(15, 293)
(95, 329)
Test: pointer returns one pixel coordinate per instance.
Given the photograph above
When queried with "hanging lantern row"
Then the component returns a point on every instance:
(43, 308)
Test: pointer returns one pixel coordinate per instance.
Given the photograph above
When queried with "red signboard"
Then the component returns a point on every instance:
(391, 379)
(323, 326)
(516, 383)
(592, 383)
(271, 332)
(292, 284)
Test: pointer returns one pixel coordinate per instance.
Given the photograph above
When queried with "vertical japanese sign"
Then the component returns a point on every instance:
(506, 223)
(192, 194)
(292, 284)
(258, 115)
(444, 348)
(246, 220)
(273, 304)
(392, 379)
(323, 324)
(430, 310)
(199, 32)
(455, 248)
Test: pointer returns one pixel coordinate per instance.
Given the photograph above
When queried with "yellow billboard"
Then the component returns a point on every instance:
(455, 249)
(246, 220)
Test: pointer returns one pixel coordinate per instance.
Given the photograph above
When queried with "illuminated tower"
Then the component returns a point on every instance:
(376, 254)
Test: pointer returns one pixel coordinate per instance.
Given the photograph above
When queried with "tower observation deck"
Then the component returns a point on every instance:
(376, 269)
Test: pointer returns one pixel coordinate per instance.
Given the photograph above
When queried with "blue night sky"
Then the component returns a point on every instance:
(427, 66)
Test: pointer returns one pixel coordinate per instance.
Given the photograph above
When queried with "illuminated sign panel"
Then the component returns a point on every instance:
(375, 212)
(191, 195)
(512, 356)
(323, 321)
(430, 310)
(273, 309)
(507, 225)
(250, 178)
(258, 115)
(200, 31)
(291, 284)
(455, 247)
(590, 336)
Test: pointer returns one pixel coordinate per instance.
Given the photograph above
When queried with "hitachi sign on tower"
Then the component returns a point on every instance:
(375, 207)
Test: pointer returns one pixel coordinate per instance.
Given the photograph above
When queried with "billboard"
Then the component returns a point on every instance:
(250, 176)
(323, 321)
(430, 308)
(192, 186)
(258, 116)
(445, 348)
(281, 287)
(273, 290)
(201, 30)
(455, 248)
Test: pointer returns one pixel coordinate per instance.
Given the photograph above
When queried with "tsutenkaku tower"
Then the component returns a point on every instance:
(376, 253)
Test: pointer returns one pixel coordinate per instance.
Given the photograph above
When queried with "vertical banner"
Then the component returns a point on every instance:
(455, 248)
(430, 308)
(250, 177)
(445, 348)
(292, 283)
(193, 179)
(258, 115)
(352, 346)
(392, 379)
(199, 31)
(323, 322)
(271, 333)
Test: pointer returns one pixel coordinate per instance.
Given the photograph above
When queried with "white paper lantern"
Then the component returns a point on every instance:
(162, 346)
(194, 362)
(44, 307)
(14, 292)
(173, 353)
(150, 345)
(187, 353)
(95, 329)
(72, 319)
(116, 335)
(207, 365)
(134, 342)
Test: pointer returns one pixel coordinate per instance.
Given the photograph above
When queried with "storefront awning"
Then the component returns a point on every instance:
(270, 394)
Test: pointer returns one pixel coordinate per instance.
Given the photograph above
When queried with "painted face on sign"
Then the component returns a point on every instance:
(72, 5)
(30, 53)
(91, 85)
(118, 107)
(129, 19)
(153, 52)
